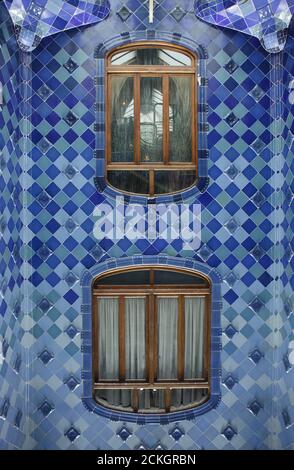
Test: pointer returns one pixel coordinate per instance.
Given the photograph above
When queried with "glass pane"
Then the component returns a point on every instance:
(180, 119)
(185, 397)
(173, 277)
(171, 181)
(194, 337)
(130, 278)
(122, 119)
(151, 400)
(135, 338)
(152, 56)
(108, 338)
(114, 398)
(167, 311)
(151, 122)
(130, 181)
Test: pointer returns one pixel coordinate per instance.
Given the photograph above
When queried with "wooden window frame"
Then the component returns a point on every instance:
(164, 72)
(151, 292)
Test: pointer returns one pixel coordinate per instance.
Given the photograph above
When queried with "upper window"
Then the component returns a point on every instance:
(151, 119)
(151, 340)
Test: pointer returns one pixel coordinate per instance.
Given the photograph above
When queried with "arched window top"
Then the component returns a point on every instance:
(151, 275)
(156, 54)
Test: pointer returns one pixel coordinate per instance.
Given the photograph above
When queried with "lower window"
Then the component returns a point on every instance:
(151, 345)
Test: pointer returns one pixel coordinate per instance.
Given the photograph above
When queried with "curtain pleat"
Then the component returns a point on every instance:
(135, 348)
(108, 309)
(194, 337)
(167, 337)
(135, 338)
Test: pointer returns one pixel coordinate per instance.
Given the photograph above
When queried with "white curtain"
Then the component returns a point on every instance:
(108, 311)
(108, 338)
(167, 311)
(135, 338)
(194, 337)
(194, 346)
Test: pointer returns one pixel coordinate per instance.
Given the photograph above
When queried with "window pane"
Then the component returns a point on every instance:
(130, 181)
(171, 181)
(173, 277)
(151, 400)
(188, 396)
(167, 337)
(180, 119)
(108, 338)
(151, 119)
(135, 338)
(194, 337)
(115, 398)
(122, 119)
(128, 278)
(152, 56)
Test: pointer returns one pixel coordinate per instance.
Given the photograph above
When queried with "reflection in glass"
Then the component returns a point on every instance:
(180, 115)
(115, 398)
(151, 400)
(130, 181)
(152, 56)
(186, 396)
(171, 181)
(151, 119)
(122, 119)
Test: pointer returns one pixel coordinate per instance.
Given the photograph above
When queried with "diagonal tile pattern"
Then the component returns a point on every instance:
(267, 20)
(12, 337)
(36, 19)
(247, 226)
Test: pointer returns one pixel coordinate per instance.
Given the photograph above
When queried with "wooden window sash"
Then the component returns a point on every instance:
(149, 386)
(137, 122)
(151, 269)
(151, 167)
(135, 400)
(151, 295)
(149, 70)
(129, 47)
(159, 166)
(116, 292)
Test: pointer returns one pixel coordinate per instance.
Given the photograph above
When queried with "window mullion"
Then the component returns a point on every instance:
(167, 399)
(122, 339)
(135, 399)
(137, 119)
(151, 182)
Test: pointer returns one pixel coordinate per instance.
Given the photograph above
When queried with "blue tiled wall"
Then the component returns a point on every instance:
(240, 238)
(12, 357)
(285, 336)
